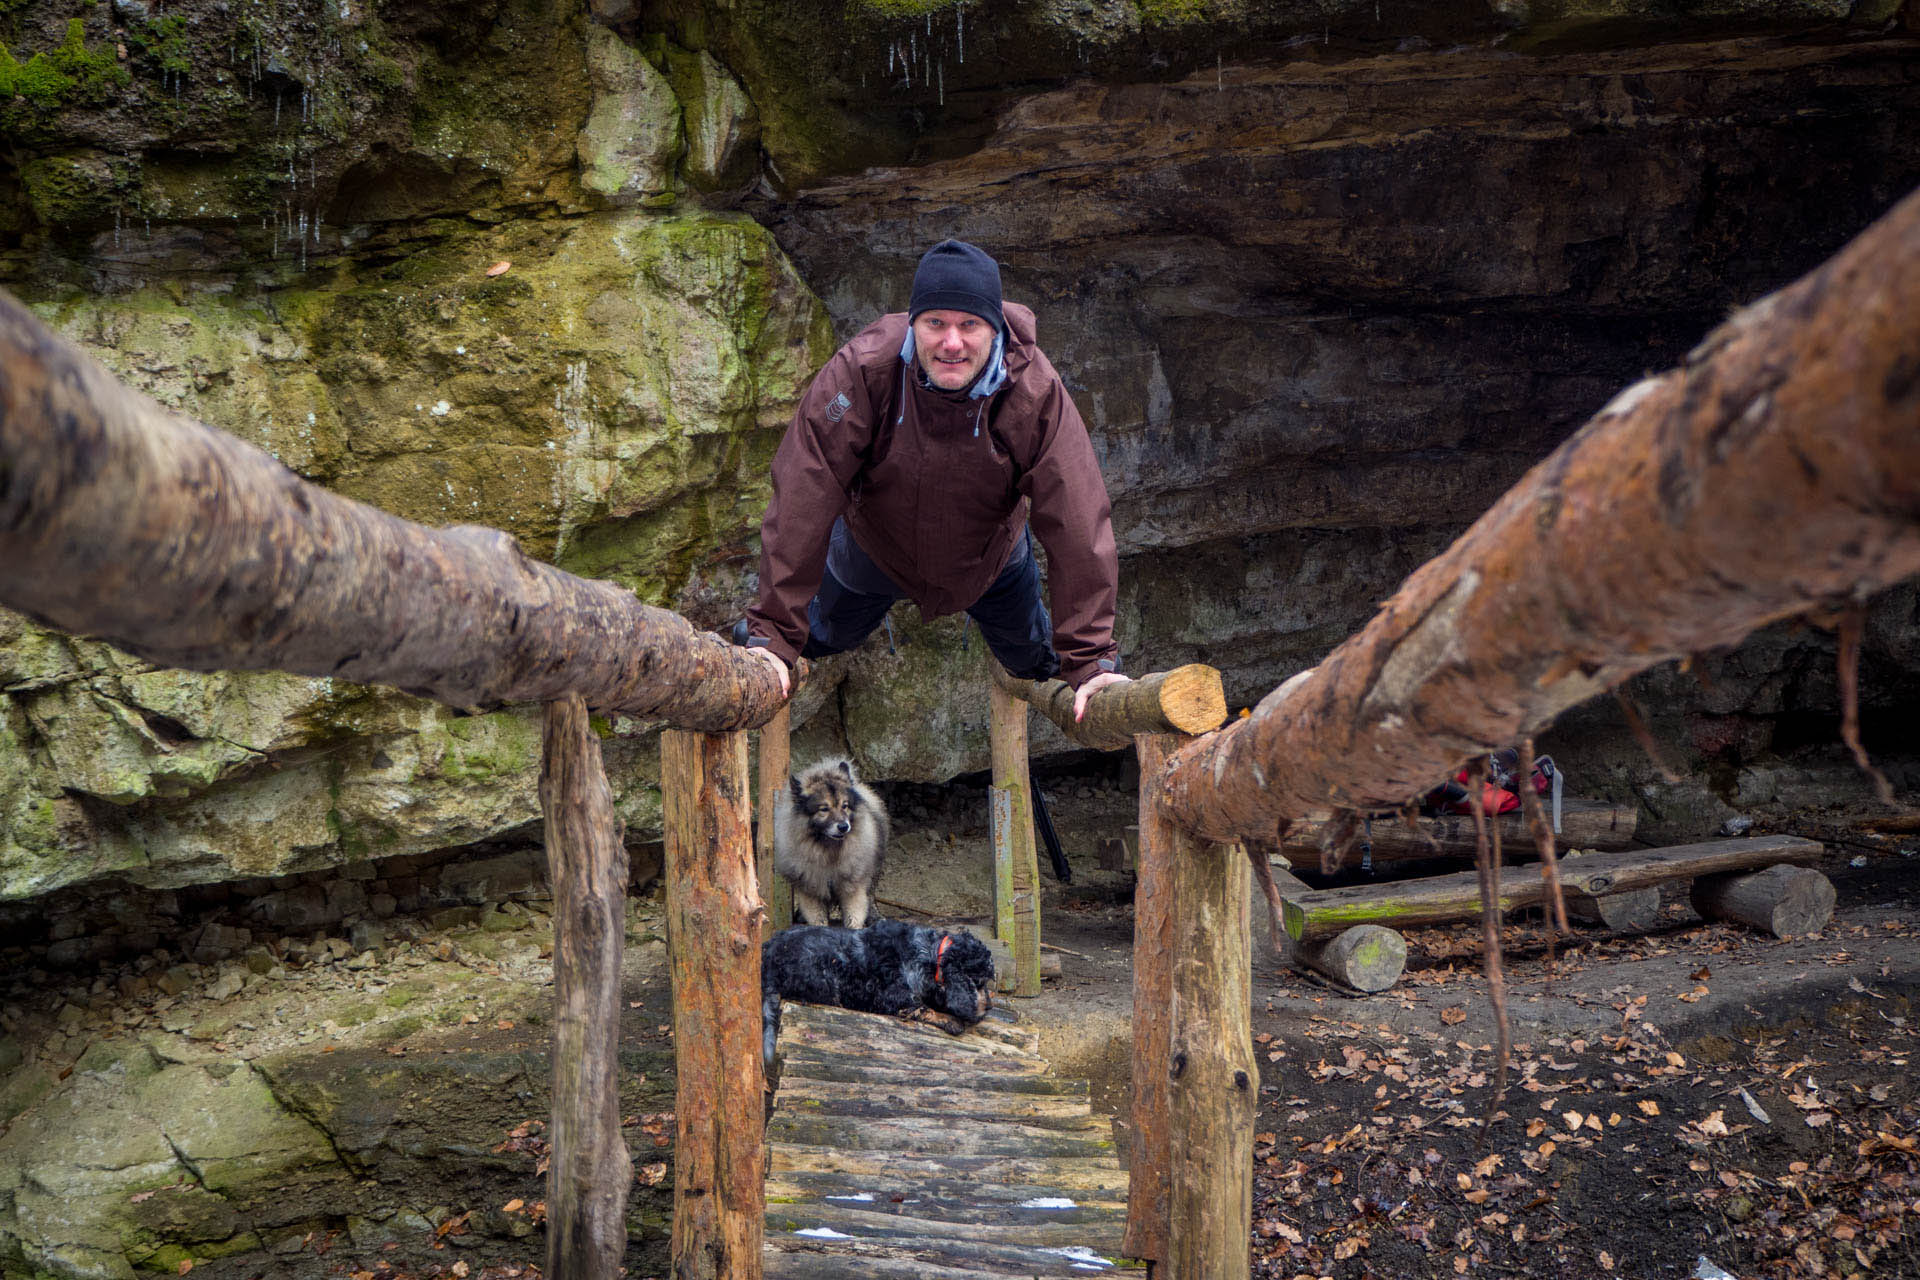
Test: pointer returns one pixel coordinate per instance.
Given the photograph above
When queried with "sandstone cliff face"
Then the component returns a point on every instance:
(1324, 279)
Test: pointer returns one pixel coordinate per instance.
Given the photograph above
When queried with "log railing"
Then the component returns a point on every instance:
(184, 545)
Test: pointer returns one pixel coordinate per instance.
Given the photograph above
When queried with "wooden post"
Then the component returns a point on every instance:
(1016, 865)
(713, 934)
(1213, 1081)
(589, 1169)
(1149, 1149)
(776, 758)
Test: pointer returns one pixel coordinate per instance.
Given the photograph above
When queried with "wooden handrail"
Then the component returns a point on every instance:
(1187, 699)
(122, 519)
(1776, 472)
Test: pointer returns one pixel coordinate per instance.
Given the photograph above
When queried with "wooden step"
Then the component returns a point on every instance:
(940, 1135)
(895, 1150)
(856, 1255)
(1029, 1229)
(950, 1200)
(846, 1098)
(1068, 1176)
(852, 1068)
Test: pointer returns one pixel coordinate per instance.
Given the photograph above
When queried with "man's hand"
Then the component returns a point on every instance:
(786, 681)
(1088, 689)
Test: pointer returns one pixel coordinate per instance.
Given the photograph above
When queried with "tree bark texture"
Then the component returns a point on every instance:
(713, 923)
(1150, 1145)
(1016, 861)
(589, 1169)
(1213, 1082)
(1776, 471)
(1189, 699)
(1322, 913)
(1785, 901)
(1630, 912)
(776, 758)
(177, 542)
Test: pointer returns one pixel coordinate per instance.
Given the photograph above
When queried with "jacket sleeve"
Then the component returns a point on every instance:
(1071, 515)
(813, 475)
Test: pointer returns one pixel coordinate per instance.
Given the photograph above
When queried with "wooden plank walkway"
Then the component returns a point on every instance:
(896, 1150)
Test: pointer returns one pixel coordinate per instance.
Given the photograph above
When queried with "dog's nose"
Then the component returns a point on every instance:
(839, 829)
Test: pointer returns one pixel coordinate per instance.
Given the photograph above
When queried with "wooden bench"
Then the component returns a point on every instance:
(1757, 881)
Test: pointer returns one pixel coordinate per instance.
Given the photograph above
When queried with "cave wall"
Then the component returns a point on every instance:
(1324, 278)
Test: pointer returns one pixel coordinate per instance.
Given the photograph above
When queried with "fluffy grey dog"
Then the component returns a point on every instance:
(829, 839)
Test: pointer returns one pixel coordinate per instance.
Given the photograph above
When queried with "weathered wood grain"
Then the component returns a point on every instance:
(713, 943)
(589, 1169)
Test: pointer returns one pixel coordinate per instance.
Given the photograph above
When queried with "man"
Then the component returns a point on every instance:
(915, 466)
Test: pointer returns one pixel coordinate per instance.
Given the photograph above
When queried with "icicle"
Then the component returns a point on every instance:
(889, 57)
(940, 75)
(960, 31)
(277, 95)
(1219, 74)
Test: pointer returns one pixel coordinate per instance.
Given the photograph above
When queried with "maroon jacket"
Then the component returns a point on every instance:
(936, 490)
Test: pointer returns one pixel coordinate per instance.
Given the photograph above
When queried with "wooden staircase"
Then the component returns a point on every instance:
(895, 1149)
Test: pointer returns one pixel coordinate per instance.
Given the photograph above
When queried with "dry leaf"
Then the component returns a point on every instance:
(1715, 1125)
(1606, 1260)
(186, 1265)
(513, 1206)
(1573, 1120)
(1458, 1013)
(500, 268)
(1648, 1107)
(653, 1175)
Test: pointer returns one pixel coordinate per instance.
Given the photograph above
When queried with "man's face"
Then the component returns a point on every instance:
(952, 346)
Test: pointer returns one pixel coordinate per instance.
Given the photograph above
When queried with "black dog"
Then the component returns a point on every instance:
(928, 975)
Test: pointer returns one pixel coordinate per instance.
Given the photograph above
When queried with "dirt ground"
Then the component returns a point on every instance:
(1693, 1097)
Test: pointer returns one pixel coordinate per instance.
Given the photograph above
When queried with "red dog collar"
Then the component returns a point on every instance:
(946, 940)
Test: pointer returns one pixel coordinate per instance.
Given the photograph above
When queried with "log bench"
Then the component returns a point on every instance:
(1759, 881)
(1584, 824)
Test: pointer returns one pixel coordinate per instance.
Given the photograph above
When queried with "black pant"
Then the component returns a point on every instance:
(855, 595)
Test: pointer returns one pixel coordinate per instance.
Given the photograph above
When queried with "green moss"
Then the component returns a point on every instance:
(907, 8)
(94, 73)
(164, 41)
(77, 187)
(1170, 13)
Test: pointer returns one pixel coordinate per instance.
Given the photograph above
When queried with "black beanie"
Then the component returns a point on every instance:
(956, 276)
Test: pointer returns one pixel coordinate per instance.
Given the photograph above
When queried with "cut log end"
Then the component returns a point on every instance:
(1367, 957)
(1193, 699)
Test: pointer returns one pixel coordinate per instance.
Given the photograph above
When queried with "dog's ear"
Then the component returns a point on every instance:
(799, 792)
(846, 767)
